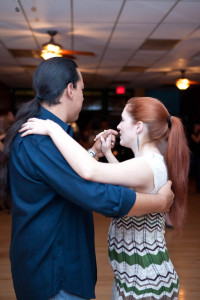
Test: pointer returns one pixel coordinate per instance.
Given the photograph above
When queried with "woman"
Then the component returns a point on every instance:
(137, 248)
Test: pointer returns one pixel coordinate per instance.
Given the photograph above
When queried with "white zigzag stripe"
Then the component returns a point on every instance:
(167, 294)
(142, 252)
(167, 282)
(143, 273)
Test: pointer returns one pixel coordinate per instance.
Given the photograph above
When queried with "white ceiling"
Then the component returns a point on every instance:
(117, 31)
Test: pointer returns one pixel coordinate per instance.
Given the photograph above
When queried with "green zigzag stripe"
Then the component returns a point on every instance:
(161, 290)
(144, 261)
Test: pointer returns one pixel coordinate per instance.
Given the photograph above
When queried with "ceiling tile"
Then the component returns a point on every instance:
(97, 30)
(158, 44)
(132, 30)
(47, 10)
(87, 36)
(126, 44)
(185, 12)
(133, 69)
(130, 36)
(96, 11)
(89, 44)
(16, 35)
(146, 58)
(145, 11)
(116, 57)
(178, 31)
(8, 12)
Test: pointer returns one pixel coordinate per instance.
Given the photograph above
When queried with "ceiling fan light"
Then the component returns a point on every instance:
(45, 54)
(52, 47)
(182, 83)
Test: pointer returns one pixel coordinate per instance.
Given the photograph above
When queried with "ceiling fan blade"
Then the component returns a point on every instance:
(74, 52)
(25, 53)
(194, 82)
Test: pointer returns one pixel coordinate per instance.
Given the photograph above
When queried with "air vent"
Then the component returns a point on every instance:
(25, 53)
(155, 44)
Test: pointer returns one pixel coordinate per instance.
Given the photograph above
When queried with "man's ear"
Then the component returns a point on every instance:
(70, 90)
(139, 127)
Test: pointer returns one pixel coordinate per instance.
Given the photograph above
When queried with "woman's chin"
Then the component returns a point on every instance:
(121, 143)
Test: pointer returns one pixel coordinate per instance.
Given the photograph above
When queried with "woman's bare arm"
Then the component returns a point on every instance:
(133, 173)
(87, 167)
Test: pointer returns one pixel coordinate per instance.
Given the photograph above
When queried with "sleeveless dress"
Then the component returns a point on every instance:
(138, 253)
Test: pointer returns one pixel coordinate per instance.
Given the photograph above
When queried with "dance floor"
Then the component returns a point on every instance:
(184, 252)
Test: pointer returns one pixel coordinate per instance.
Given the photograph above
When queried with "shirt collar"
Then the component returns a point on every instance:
(46, 114)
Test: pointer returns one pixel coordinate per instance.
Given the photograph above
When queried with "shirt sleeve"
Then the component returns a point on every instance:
(50, 167)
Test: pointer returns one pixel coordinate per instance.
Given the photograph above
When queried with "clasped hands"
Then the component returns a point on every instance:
(106, 135)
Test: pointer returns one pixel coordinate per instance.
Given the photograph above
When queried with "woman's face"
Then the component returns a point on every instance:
(126, 130)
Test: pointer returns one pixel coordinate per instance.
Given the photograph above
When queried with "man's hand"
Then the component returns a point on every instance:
(167, 196)
(150, 203)
(97, 145)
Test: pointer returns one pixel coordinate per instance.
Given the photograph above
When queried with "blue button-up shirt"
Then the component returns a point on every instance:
(52, 241)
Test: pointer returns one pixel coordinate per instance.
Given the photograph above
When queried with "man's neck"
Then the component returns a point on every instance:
(57, 110)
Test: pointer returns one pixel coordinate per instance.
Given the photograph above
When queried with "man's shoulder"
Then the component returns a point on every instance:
(33, 144)
(35, 151)
(31, 140)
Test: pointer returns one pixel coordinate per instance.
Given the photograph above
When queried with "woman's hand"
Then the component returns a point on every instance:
(106, 144)
(38, 126)
(98, 144)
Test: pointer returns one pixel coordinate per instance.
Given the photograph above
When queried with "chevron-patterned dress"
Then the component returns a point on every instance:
(138, 253)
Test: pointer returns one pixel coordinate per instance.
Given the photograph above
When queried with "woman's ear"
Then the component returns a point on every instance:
(139, 127)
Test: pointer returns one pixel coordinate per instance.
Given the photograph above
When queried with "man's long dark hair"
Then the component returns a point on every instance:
(50, 79)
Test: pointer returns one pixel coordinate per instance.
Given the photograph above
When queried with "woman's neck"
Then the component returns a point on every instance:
(148, 148)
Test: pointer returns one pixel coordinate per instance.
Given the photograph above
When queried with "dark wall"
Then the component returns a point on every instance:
(4, 98)
(190, 105)
(184, 104)
(168, 96)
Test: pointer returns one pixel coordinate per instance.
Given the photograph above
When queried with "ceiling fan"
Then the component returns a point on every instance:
(51, 49)
(183, 81)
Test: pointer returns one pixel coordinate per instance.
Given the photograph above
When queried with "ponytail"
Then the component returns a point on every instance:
(28, 110)
(177, 159)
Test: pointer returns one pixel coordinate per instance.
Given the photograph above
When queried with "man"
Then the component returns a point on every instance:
(52, 245)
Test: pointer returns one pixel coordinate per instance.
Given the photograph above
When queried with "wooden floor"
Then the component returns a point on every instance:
(184, 252)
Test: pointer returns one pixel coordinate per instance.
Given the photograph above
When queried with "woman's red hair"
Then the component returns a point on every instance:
(163, 126)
